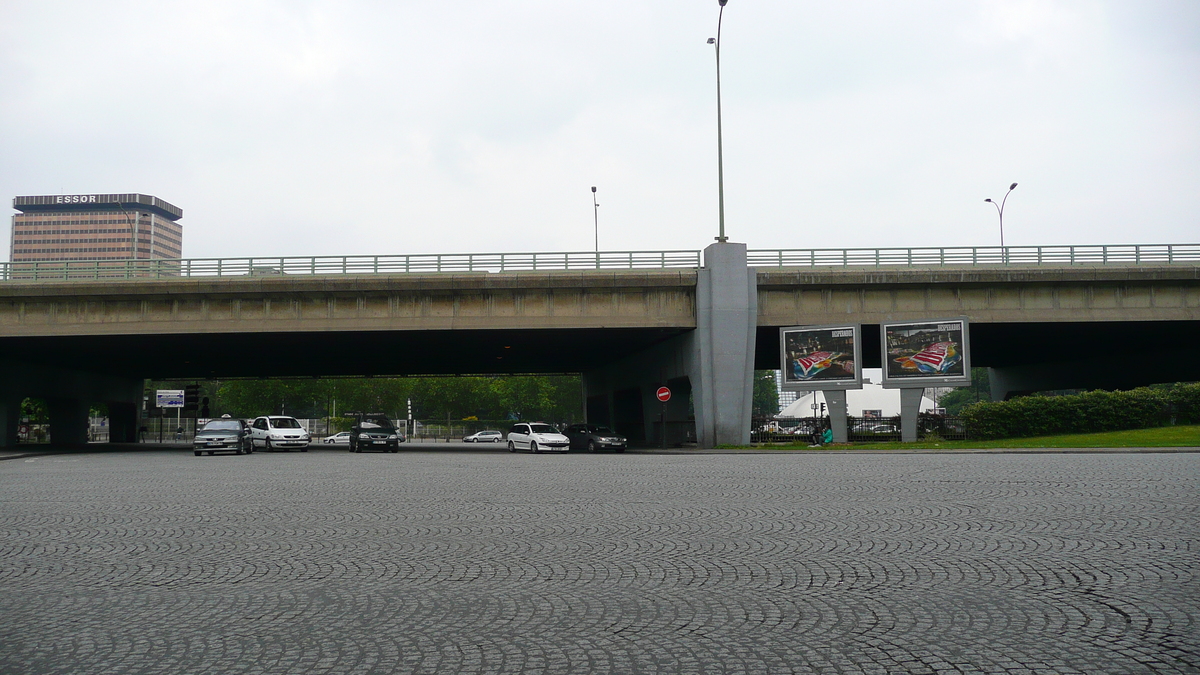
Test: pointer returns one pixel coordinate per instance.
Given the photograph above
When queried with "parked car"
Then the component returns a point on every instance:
(225, 434)
(591, 437)
(279, 432)
(484, 437)
(536, 436)
(374, 431)
(342, 438)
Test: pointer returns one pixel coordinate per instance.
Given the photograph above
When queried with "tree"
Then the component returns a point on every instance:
(961, 397)
(766, 394)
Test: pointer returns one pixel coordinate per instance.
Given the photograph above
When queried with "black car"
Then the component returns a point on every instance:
(224, 434)
(374, 431)
(592, 437)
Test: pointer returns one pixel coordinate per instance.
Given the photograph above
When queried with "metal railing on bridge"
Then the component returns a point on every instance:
(1126, 254)
(975, 256)
(322, 265)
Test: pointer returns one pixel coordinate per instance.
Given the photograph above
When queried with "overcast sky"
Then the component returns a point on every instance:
(355, 127)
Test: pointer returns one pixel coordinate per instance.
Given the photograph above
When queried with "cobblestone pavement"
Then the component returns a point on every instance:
(487, 562)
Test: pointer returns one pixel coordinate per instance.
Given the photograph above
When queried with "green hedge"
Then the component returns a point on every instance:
(1084, 413)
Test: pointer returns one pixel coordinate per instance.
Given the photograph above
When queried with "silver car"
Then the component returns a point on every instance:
(279, 432)
(484, 437)
(536, 436)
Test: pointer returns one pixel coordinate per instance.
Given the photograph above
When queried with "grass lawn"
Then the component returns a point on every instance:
(1162, 437)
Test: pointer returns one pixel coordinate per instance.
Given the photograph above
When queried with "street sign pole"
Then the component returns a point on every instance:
(664, 395)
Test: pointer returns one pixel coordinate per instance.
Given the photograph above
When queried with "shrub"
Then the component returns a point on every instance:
(1092, 411)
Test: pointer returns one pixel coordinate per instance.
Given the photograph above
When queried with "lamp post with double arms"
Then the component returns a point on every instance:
(720, 158)
(1000, 210)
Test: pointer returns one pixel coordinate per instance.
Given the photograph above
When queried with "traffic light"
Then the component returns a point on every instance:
(204, 407)
(822, 408)
(191, 397)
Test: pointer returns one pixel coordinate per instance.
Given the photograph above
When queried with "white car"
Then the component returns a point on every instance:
(342, 438)
(484, 437)
(536, 436)
(278, 432)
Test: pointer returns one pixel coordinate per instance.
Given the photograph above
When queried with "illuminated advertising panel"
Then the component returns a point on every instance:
(932, 353)
(816, 358)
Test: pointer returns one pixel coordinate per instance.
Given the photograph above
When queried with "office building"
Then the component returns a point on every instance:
(95, 227)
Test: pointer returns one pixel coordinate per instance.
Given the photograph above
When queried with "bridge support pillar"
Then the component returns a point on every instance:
(910, 409)
(68, 394)
(836, 399)
(726, 322)
(10, 419)
(122, 421)
(714, 363)
(68, 420)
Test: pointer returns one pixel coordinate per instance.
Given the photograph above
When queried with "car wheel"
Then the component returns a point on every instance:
(511, 447)
(198, 453)
(533, 447)
(237, 450)
(267, 445)
(591, 446)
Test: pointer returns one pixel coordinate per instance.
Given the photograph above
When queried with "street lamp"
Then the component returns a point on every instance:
(1000, 210)
(133, 217)
(720, 158)
(596, 215)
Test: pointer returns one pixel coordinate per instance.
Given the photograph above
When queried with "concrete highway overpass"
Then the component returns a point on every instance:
(1042, 318)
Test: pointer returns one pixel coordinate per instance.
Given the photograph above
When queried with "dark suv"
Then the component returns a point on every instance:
(374, 431)
(591, 437)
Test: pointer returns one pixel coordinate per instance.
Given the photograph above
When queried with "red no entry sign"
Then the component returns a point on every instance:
(663, 394)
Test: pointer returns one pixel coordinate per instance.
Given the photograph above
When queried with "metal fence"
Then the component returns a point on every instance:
(1128, 254)
(807, 430)
(985, 256)
(325, 265)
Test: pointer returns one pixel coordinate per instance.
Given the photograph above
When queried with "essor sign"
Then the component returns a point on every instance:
(663, 394)
(76, 199)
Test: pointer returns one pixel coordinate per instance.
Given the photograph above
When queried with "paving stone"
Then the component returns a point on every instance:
(487, 562)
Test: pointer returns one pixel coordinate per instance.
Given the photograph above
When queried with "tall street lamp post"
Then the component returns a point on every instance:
(720, 158)
(1000, 210)
(596, 216)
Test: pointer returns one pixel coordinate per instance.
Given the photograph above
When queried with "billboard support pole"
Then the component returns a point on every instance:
(837, 414)
(910, 406)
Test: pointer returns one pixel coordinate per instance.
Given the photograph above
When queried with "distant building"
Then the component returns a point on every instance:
(870, 401)
(95, 227)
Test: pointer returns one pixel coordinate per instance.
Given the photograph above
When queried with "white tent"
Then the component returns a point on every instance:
(871, 397)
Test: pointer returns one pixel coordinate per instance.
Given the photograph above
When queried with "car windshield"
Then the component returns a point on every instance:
(377, 423)
(542, 429)
(285, 423)
(601, 430)
(222, 425)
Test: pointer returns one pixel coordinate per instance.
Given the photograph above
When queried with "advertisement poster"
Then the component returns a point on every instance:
(815, 358)
(926, 353)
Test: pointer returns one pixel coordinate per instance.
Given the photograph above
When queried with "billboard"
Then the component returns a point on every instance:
(168, 398)
(816, 358)
(933, 353)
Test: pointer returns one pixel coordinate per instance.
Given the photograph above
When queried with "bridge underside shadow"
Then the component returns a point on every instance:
(71, 372)
(339, 353)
